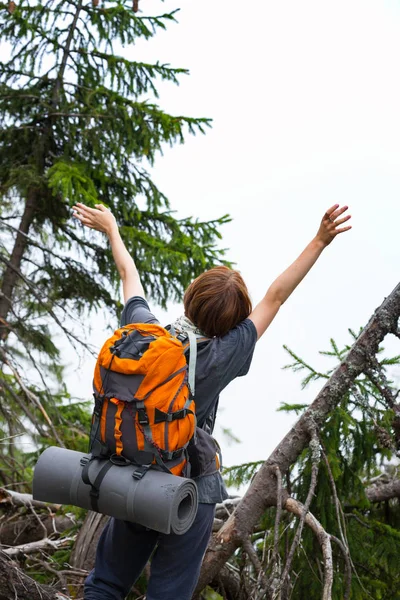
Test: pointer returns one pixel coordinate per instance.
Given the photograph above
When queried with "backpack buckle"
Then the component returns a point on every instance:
(84, 460)
(142, 416)
(181, 414)
(140, 471)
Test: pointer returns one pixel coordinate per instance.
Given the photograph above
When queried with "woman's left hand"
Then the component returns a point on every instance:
(329, 227)
(99, 218)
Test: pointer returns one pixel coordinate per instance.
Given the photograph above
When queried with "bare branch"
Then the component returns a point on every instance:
(15, 584)
(226, 508)
(252, 554)
(315, 457)
(278, 514)
(323, 538)
(383, 491)
(20, 499)
(32, 397)
(71, 337)
(44, 544)
(24, 408)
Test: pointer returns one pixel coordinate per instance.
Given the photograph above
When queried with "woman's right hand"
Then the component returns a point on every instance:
(99, 218)
(329, 227)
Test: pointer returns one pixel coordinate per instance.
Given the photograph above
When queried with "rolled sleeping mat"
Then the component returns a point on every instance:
(160, 501)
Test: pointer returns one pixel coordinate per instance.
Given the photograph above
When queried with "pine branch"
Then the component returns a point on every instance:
(30, 395)
(67, 49)
(347, 572)
(24, 408)
(73, 338)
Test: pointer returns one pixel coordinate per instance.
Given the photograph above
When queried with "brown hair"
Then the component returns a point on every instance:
(217, 301)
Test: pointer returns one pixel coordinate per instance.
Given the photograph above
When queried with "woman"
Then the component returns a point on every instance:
(216, 305)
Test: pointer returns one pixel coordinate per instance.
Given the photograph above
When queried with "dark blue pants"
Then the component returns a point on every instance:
(124, 549)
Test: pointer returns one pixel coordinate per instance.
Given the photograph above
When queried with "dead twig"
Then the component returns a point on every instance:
(323, 537)
(315, 457)
(39, 546)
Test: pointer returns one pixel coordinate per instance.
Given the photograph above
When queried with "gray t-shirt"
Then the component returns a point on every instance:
(219, 361)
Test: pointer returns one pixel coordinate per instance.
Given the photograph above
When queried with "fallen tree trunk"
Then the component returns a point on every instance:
(9, 497)
(15, 584)
(20, 527)
(262, 491)
(30, 528)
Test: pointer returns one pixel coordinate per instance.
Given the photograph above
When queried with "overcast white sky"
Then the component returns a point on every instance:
(305, 100)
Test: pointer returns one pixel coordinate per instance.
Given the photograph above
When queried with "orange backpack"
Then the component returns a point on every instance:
(144, 398)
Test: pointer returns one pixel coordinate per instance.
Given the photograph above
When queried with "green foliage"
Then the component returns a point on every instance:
(77, 127)
(240, 474)
(79, 122)
(210, 594)
(71, 182)
(297, 408)
(360, 442)
(358, 439)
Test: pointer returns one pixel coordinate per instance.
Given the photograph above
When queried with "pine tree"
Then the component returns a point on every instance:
(79, 123)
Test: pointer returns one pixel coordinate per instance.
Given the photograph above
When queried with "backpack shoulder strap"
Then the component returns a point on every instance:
(194, 339)
(192, 361)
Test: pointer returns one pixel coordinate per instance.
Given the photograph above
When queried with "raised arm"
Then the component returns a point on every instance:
(102, 219)
(280, 290)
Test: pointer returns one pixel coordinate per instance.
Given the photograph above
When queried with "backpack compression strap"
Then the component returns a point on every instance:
(95, 485)
(144, 420)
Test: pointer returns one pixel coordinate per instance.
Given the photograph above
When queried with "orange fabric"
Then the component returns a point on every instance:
(117, 426)
(163, 358)
(139, 435)
(103, 420)
(177, 470)
(217, 461)
(97, 377)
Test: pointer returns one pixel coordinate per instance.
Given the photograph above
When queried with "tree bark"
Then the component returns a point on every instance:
(15, 584)
(11, 498)
(11, 272)
(84, 552)
(27, 528)
(262, 491)
(383, 491)
(324, 541)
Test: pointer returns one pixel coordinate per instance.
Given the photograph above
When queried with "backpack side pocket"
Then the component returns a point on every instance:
(204, 454)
